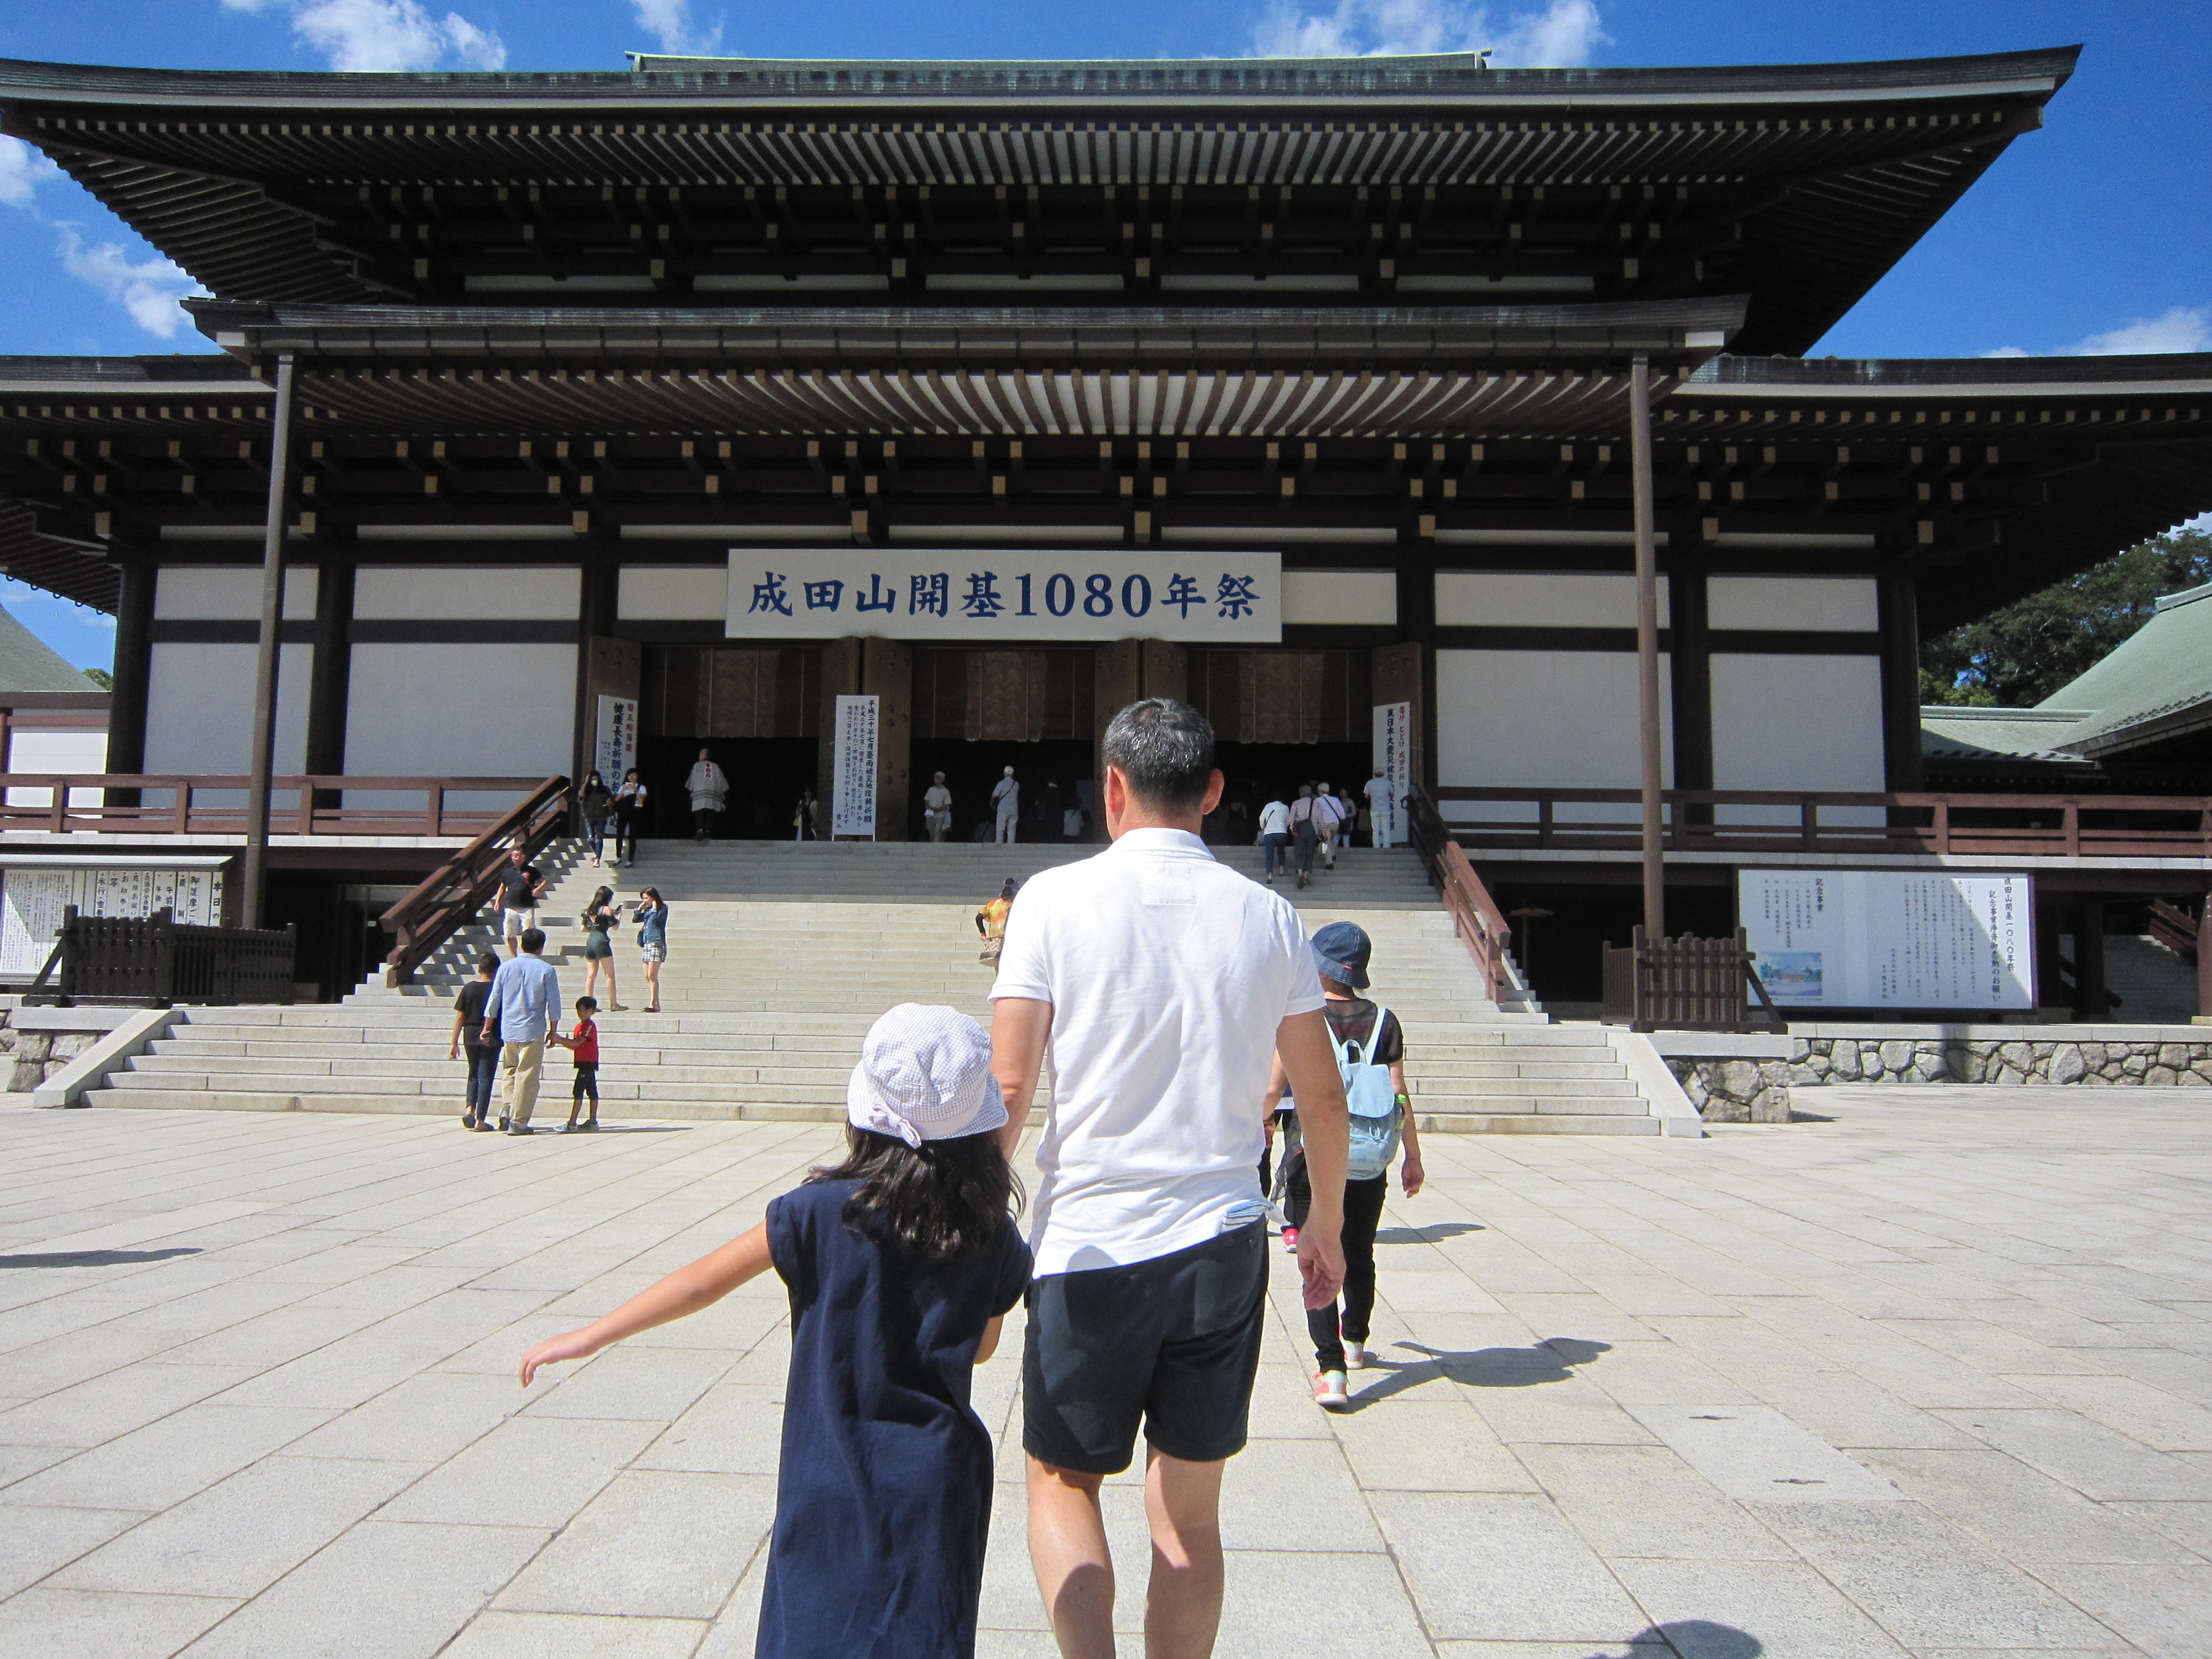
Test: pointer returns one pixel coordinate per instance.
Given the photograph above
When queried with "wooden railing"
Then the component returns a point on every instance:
(1687, 984)
(1480, 925)
(154, 961)
(1714, 820)
(310, 806)
(2176, 929)
(427, 917)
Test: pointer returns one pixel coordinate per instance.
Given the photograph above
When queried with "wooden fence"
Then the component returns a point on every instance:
(116, 803)
(154, 961)
(1756, 821)
(1687, 984)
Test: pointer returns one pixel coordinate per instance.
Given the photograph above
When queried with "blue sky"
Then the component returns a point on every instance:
(2093, 234)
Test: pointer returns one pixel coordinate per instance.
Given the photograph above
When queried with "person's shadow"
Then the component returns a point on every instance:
(1435, 1232)
(1551, 1360)
(95, 1258)
(1692, 1638)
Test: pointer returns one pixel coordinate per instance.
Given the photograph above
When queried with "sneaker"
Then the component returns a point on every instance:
(1328, 1391)
(1356, 1357)
(502, 1123)
(1291, 1240)
(522, 1129)
(589, 1125)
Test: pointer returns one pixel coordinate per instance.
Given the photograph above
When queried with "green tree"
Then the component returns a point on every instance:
(101, 678)
(2016, 657)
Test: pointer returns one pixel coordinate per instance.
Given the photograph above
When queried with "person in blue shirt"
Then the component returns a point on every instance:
(519, 1015)
(902, 1261)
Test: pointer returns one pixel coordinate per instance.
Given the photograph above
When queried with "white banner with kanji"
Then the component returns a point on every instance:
(852, 774)
(1117, 593)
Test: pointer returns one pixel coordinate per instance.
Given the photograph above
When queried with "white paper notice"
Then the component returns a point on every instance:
(853, 779)
(1394, 755)
(1880, 939)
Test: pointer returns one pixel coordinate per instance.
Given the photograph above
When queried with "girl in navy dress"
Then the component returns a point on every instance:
(901, 1263)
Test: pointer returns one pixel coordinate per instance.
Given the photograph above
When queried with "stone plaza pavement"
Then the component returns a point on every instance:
(1933, 1376)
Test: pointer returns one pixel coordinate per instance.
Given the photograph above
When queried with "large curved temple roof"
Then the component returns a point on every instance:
(1353, 181)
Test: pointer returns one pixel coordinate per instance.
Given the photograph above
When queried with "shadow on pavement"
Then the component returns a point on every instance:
(1692, 1638)
(95, 1258)
(1551, 1360)
(1431, 1234)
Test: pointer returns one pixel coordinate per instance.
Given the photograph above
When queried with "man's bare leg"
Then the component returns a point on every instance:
(1183, 1605)
(1074, 1571)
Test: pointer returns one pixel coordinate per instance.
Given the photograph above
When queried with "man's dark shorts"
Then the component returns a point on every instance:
(1172, 1343)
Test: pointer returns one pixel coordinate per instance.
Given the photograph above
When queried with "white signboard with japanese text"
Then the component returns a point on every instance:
(614, 750)
(32, 901)
(1890, 938)
(1108, 593)
(853, 776)
(1393, 758)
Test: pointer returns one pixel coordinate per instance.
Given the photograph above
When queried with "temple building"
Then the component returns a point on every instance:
(1004, 392)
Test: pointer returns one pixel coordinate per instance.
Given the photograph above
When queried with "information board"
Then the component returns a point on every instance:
(1891, 938)
(32, 901)
(853, 776)
(614, 751)
(1073, 593)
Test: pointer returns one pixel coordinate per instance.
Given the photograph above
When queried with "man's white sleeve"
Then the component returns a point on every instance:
(1304, 980)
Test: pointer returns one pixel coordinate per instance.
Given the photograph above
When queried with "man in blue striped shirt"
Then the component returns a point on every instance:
(524, 1004)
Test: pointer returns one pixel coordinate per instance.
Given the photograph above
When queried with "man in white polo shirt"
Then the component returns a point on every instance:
(1164, 984)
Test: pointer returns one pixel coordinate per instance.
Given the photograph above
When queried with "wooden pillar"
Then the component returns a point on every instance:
(261, 759)
(1397, 674)
(887, 674)
(1647, 644)
(1165, 667)
(1897, 605)
(1691, 665)
(595, 627)
(332, 675)
(2204, 961)
(134, 664)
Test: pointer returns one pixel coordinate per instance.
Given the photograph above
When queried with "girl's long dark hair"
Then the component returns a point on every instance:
(944, 1201)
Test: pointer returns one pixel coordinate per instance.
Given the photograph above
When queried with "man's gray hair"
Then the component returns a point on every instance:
(1166, 750)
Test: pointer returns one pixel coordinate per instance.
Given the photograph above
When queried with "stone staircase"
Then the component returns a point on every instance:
(781, 954)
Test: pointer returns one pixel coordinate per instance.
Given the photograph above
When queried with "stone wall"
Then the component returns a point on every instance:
(2109, 1062)
(31, 1057)
(1735, 1091)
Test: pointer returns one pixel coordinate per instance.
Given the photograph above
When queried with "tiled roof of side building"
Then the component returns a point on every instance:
(28, 663)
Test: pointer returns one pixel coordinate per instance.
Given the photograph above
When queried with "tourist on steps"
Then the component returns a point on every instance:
(1370, 1057)
(595, 803)
(600, 918)
(651, 943)
(1305, 832)
(1275, 836)
(469, 1037)
(583, 1043)
(1006, 802)
(991, 922)
(900, 1261)
(630, 807)
(937, 809)
(707, 785)
(1382, 809)
(1328, 818)
(519, 1015)
(1161, 979)
(520, 884)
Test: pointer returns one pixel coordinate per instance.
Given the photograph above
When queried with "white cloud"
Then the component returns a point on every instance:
(1563, 34)
(149, 290)
(23, 170)
(385, 35)
(669, 22)
(2177, 328)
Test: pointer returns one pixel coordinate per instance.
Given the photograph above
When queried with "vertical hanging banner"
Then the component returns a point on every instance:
(614, 751)
(852, 778)
(1394, 757)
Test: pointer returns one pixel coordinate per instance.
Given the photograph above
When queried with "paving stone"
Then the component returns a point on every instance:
(735, 1429)
(655, 1544)
(528, 1472)
(383, 1590)
(2025, 1515)
(1283, 1605)
(1740, 1609)
(241, 1534)
(1501, 1565)
(629, 1382)
(34, 1542)
(1646, 1501)
(2164, 1610)
(105, 1407)
(2092, 1459)
(1421, 1445)
(574, 1636)
(59, 1623)
(168, 1461)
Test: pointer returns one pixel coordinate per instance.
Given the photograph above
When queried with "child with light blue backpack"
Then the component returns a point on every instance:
(1370, 1055)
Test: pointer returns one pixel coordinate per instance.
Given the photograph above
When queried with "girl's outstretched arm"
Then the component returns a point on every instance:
(686, 1290)
(989, 1345)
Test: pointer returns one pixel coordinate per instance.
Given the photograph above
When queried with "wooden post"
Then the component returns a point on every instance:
(1647, 641)
(262, 760)
(2204, 961)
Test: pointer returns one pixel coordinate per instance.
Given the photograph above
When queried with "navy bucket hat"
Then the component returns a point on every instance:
(1340, 952)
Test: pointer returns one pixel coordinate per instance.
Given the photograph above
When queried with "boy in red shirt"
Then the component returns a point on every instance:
(584, 1044)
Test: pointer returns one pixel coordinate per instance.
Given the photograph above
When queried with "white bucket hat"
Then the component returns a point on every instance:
(925, 1074)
